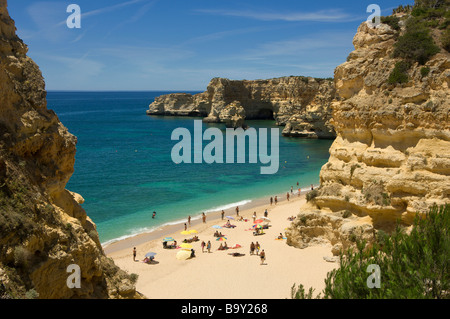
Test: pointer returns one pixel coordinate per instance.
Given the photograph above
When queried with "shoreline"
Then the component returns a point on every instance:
(217, 275)
(168, 228)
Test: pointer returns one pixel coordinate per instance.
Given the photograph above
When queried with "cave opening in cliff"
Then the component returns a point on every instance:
(264, 114)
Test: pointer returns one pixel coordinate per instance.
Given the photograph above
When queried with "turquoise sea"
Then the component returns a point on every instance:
(124, 169)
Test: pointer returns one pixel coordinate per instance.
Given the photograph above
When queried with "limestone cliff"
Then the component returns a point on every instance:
(302, 104)
(391, 157)
(43, 229)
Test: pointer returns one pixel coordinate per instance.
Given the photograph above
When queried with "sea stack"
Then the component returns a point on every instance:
(302, 104)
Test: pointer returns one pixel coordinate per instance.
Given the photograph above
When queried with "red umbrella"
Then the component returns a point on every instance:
(258, 221)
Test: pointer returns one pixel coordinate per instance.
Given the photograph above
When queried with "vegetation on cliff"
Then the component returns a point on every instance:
(413, 265)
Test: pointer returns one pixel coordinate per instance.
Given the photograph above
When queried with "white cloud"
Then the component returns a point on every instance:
(331, 15)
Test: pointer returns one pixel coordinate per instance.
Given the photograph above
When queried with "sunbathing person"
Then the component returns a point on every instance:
(220, 247)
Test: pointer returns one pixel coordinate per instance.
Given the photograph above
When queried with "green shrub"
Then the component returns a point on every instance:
(413, 266)
(299, 293)
(392, 21)
(347, 214)
(416, 44)
(311, 195)
(399, 74)
(134, 277)
(445, 40)
(424, 71)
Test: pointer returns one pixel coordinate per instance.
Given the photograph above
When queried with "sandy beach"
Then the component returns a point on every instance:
(218, 275)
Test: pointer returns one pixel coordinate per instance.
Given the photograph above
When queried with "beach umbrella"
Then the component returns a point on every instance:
(258, 221)
(186, 246)
(183, 255)
(221, 239)
(257, 226)
(217, 227)
(166, 239)
(229, 217)
(151, 254)
(266, 219)
(185, 232)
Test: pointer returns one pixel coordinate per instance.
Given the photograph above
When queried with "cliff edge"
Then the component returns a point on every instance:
(43, 228)
(391, 157)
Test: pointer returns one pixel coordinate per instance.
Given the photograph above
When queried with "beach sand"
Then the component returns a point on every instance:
(217, 275)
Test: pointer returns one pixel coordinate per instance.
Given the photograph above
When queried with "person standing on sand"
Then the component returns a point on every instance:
(134, 254)
(312, 187)
(292, 189)
(262, 256)
(252, 248)
(287, 196)
(266, 213)
(254, 217)
(237, 211)
(271, 201)
(223, 213)
(189, 221)
(299, 192)
(276, 200)
(208, 247)
(204, 217)
(185, 227)
(203, 246)
(257, 247)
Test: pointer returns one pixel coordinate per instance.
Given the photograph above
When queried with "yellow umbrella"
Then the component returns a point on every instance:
(183, 255)
(186, 246)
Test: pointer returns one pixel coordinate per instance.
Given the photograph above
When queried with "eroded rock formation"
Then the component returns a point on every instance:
(302, 104)
(391, 157)
(43, 229)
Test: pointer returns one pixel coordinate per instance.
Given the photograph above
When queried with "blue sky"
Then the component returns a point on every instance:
(180, 45)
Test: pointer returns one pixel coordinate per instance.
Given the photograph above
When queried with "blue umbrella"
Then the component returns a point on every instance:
(168, 239)
(150, 255)
(217, 227)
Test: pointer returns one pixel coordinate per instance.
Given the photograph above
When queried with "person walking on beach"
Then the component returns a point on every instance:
(189, 221)
(204, 217)
(262, 256)
(237, 211)
(134, 254)
(223, 213)
(254, 217)
(266, 213)
(257, 247)
(276, 200)
(271, 201)
(203, 246)
(252, 248)
(287, 196)
(208, 247)
(185, 227)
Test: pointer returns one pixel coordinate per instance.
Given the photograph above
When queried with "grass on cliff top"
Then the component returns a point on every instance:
(412, 266)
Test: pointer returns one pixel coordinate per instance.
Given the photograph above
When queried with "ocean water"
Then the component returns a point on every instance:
(124, 170)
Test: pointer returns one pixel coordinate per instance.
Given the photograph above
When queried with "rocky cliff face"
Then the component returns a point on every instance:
(302, 104)
(43, 229)
(391, 157)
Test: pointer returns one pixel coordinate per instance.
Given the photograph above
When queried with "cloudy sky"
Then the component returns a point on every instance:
(180, 45)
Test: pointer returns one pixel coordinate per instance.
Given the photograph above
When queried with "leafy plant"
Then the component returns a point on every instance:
(414, 265)
(416, 44)
(399, 73)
